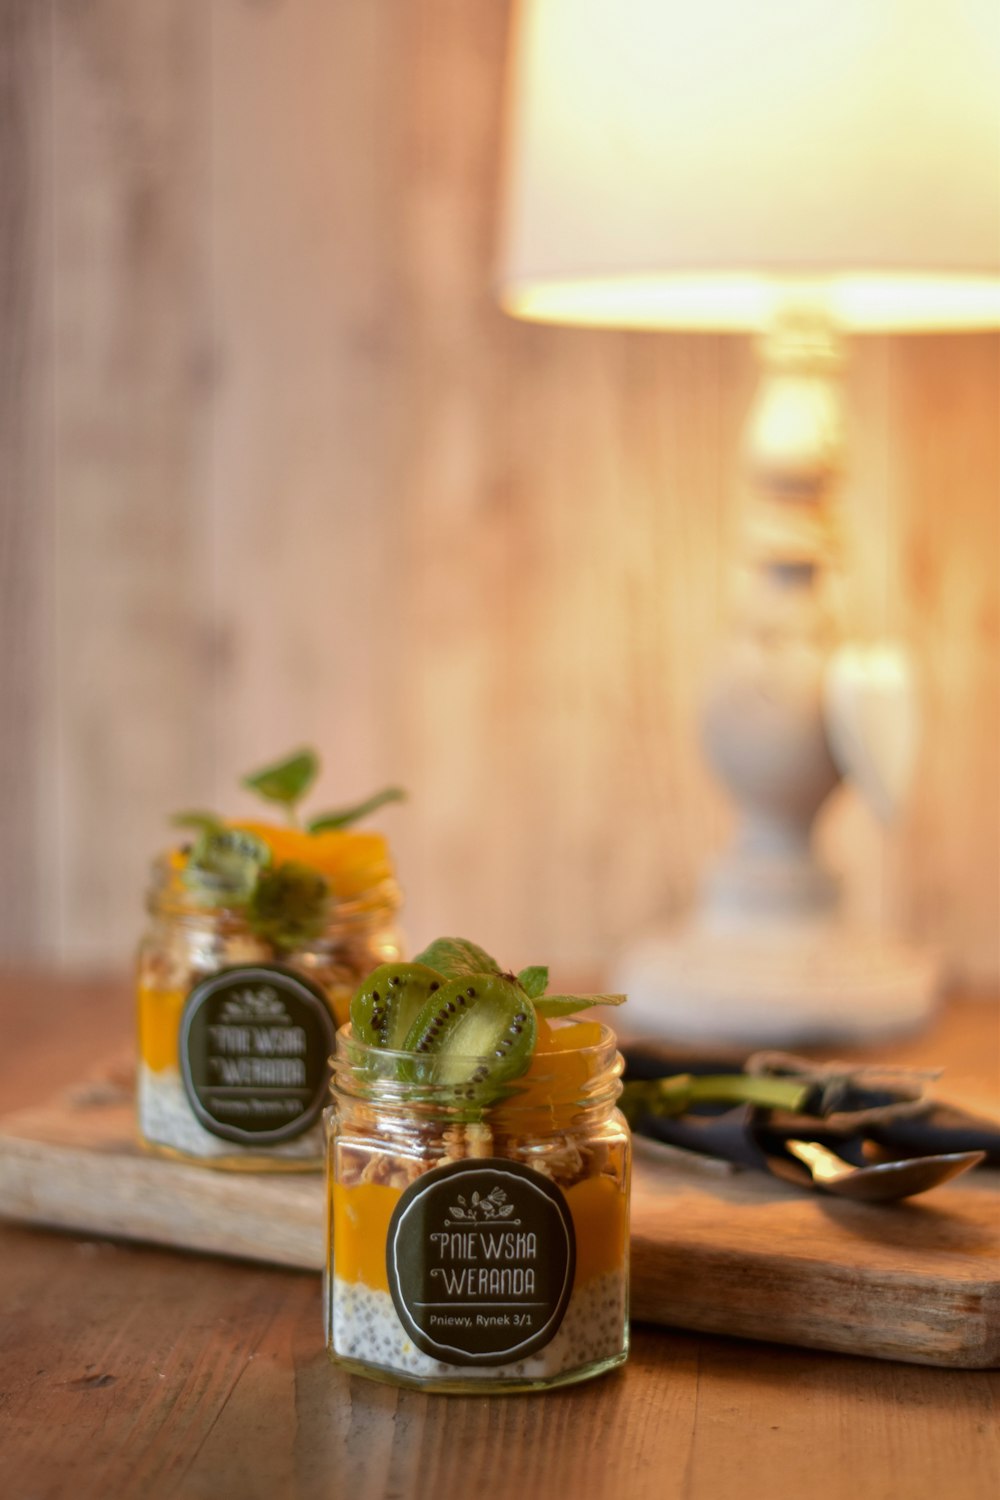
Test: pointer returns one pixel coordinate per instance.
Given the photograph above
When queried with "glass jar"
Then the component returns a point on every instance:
(478, 1249)
(235, 1035)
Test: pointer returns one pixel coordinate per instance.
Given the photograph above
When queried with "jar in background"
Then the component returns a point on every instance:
(479, 1249)
(235, 1031)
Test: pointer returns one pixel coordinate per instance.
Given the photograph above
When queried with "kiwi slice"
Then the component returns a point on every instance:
(386, 1006)
(224, 865)
(482, 1016)
(289, 906)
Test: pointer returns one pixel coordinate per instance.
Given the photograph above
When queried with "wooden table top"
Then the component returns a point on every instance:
(128, 1372)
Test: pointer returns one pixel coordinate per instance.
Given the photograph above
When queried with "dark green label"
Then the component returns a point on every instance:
(255, 1045)
(480, 1257)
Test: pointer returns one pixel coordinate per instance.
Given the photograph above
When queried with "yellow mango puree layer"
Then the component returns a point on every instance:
(353, 862)
(361, 1217)
(548, 1094)
(159, 1026)
(160, 1023)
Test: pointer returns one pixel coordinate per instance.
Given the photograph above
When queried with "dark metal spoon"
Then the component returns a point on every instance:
(882, 1181)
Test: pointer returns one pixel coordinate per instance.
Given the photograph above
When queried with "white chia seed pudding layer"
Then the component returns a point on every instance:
(366, 1327)
(166, 1119)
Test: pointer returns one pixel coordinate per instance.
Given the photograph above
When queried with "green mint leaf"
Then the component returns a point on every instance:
(454, 957)
(289, 905)
(345, 816)
(224, 867)
(568, 1005)
(288, 780)
(534, 980)
(203, 822)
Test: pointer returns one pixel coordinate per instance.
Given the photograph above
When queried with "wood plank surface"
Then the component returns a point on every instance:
(209, 1380)
(723, 1252)
(276, 468)
(152, 1375)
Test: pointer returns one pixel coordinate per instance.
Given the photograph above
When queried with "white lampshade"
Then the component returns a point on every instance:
(682, 163)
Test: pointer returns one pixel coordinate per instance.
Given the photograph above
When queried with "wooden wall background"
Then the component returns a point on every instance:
(276, 470)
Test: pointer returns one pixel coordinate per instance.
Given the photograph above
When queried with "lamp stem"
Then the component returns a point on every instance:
(763, 722)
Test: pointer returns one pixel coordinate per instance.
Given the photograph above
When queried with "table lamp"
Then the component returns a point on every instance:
(795, 169)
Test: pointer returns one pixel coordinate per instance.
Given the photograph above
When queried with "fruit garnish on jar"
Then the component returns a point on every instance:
(459, 1020)
(282, 878)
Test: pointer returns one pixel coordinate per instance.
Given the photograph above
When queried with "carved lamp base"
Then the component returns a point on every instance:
(774, 988)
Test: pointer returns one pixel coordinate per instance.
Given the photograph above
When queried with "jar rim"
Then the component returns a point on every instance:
(168, 897)
(348, 1044)
(360, 1069)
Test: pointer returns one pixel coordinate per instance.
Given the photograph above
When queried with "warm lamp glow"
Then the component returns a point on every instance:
(693, 166)
(719, 302)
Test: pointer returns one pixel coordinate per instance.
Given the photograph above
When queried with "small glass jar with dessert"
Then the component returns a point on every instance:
(258, 935)
(478, 1175)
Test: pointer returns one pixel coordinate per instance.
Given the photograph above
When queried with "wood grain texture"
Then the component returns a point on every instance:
(152, 1375)
(711, 1250)
(210, 1380)
(734, 1254)
(130, 644)
(307, 483)
(921, 515)
(25, 475)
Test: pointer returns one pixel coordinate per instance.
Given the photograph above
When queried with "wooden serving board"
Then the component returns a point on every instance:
(712, 1250)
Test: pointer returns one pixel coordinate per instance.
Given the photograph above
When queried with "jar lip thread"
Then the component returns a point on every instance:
(386, 1076)
(351, 1048)
(167, 897)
